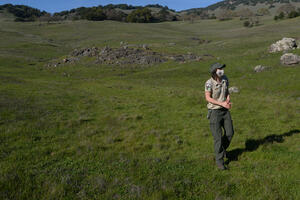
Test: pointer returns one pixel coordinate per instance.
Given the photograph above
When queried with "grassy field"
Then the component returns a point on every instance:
(88, 131)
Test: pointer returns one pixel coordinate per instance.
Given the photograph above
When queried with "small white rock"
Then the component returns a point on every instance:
(233, 90)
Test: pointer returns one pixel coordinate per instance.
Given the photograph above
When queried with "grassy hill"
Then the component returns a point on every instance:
(91, 131)
(239, 6)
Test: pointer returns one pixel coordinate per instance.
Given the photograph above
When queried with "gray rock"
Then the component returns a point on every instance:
(85, 52)
(260, 68)
(106, 49)
(289, 59)
(233, 90)
(70, 60)
(145, 46)
(283, 45)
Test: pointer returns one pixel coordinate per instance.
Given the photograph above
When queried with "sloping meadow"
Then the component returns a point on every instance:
(88, 130)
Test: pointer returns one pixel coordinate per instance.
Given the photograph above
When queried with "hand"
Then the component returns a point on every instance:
(228, 100)
(225, 104)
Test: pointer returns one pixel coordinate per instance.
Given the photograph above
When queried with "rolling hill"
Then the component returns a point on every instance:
(240, 5)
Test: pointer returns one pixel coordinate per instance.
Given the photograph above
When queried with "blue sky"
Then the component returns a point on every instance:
(59, 5)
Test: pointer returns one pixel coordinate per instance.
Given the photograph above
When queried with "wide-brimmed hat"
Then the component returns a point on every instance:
(216, 66)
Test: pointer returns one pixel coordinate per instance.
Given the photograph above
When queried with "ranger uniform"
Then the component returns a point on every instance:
(219, 117)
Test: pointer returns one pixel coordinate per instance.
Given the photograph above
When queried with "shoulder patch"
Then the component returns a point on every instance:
(208, 86)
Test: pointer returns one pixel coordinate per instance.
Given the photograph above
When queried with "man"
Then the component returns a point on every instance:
(217, 96)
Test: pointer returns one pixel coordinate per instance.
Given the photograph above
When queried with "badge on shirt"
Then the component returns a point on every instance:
(208, 86)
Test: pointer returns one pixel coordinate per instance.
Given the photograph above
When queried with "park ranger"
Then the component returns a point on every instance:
(217, 96)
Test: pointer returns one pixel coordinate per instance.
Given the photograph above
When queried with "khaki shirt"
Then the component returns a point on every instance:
(219, 91)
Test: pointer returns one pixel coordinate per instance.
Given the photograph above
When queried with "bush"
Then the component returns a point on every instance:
(247, 24)
(281, 15)
(293, 14)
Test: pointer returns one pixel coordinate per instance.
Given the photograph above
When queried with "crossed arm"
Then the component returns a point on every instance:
(225, 104)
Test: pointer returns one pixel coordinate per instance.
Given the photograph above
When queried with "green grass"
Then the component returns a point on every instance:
(133, 132)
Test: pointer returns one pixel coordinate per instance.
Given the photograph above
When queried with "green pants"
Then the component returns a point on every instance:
(221, 119)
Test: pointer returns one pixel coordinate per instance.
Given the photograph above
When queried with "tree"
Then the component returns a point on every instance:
(95, 14)
(163, 14)
(140, 15)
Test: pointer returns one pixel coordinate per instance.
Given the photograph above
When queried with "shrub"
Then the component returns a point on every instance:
(247, 24)
(293, 14)
(281, 15)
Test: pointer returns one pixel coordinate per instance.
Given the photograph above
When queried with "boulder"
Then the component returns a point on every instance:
(283, 45)
(145, 46)
(233, 90)
(122, 43)
(289, 59)
(260, 68)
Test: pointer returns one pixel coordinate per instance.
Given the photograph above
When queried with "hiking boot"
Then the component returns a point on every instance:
(221, 166)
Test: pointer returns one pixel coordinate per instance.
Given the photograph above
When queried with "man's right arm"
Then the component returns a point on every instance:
(213, 101)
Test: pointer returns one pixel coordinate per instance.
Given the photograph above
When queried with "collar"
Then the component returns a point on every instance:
(222, 80)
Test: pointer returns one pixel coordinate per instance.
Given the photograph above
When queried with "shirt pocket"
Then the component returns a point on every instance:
(217, 91)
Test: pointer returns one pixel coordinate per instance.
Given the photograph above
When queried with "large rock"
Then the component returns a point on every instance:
(283, 45)
(289, 59)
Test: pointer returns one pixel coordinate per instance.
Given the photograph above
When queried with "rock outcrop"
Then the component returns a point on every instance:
(85, 52)
(283, 45)
(124, 55)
